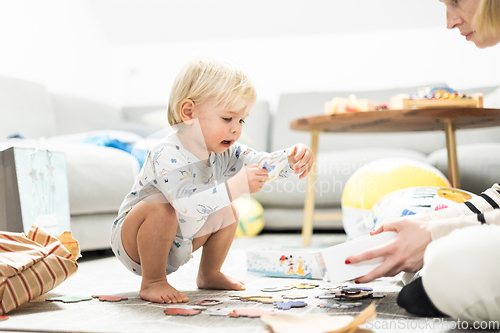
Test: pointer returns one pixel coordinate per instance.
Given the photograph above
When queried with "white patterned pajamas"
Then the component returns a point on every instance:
(195, 189)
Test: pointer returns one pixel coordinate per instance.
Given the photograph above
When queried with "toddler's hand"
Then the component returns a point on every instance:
(256, 177)
(301, 159)
(248, 180)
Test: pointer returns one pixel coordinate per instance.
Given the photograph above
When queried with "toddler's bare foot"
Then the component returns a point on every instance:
(217, 280)
(161, 292)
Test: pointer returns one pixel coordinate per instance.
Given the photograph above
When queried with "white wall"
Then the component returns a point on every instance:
(65, 45)
(321, 62)
(57, 43)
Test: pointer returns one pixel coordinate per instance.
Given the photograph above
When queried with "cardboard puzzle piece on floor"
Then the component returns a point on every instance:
(244, 297)
(318, 323)
(304, 286)
(346, 305)
(289, 305)
(250, 313)
(274, 289)
(110, 298)
(181, 312)
(294, 296)
(209, 302)
(69, 299)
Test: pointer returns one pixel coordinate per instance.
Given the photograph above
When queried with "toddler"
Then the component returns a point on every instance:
(182, 198)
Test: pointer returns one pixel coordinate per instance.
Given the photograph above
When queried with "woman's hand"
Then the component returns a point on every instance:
(405, 252)
(300, 158)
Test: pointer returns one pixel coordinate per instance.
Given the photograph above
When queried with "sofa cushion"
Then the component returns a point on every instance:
(75, 115)
(478, 165)
(293, 106)
(333, 170)
(26, 108)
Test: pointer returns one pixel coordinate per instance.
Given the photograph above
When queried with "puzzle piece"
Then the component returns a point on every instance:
(68, 299)
(327, 296)
(289, 305)
(345, 288)
(250, 313)
(273, 289)
(243, 297)
(266, 300)
(340, 305)
(181, 312)
(294, 296)
(329, 287)
(109, 298)
(209, 302)
(304, 286)
(219, 312)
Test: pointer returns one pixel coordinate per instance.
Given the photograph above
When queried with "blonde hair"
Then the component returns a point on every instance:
(204, 78)
(487, 19)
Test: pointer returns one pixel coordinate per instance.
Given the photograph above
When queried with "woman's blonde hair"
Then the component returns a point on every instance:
(487, 19)
(204, 78)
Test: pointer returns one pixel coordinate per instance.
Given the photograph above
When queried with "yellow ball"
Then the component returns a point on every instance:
(376, 179)
(251, 221)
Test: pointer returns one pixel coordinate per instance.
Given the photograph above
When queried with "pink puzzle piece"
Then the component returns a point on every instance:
(250, 312)
(109, 298)
(181, 312)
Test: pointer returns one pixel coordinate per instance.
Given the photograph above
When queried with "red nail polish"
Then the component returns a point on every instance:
(356, 281)
(347, 262)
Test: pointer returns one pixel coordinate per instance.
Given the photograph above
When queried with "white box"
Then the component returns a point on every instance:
(334, 257)
(292, 262)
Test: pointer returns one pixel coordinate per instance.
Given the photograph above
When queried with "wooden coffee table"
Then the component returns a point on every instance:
(412, 120)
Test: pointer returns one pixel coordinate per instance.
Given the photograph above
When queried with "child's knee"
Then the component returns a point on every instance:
(161, 213)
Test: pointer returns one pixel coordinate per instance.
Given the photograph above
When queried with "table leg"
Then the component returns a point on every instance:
(307, 227)
(451, 147)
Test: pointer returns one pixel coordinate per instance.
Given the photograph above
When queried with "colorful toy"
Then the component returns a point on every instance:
(251, 221)
(436, 97)
(376, 179)
(416, 200)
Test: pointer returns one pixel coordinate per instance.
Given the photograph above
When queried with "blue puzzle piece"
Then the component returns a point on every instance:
(268, 167)
(407, 212)
(289, 305)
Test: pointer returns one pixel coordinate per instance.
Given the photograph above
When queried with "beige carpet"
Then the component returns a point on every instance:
(106, 276)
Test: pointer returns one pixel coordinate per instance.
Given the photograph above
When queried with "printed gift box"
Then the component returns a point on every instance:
(33, 264)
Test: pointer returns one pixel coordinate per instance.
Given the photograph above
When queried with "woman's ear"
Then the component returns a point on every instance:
(186, 110)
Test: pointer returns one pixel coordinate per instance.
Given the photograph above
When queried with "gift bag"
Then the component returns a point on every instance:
(33, 189)
(33, 265)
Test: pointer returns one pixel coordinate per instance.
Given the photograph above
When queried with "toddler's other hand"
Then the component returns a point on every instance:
(301, 159)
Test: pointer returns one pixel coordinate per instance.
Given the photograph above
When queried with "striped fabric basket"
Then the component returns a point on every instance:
(33, 265)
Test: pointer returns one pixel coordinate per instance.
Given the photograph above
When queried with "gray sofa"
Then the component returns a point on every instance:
(100, 177)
